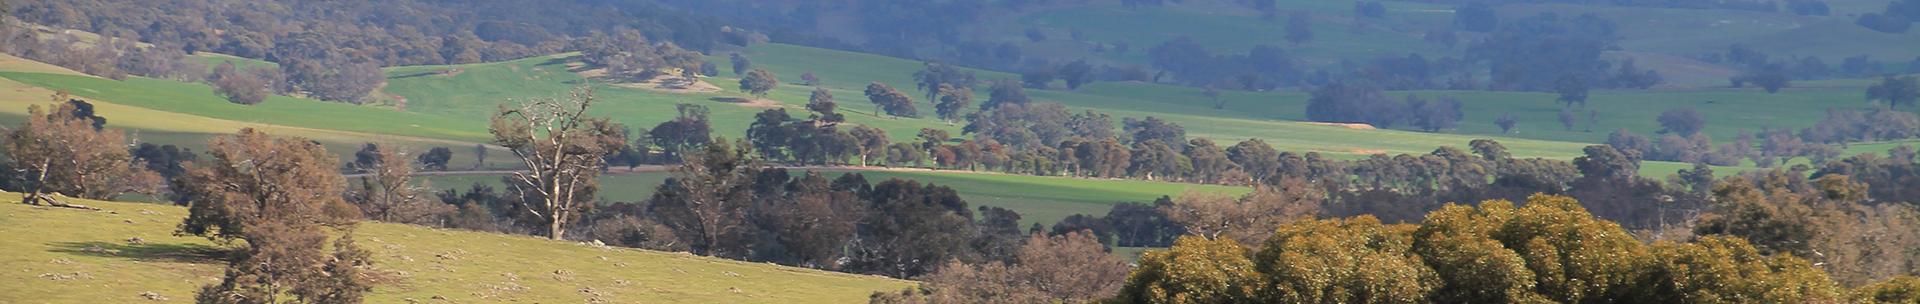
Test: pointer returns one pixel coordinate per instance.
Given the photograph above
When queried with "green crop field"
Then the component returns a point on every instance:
(59, 255)
(1042, 200)
(1693, 31)
(200, 100)
(1224, 28)
(162, 127)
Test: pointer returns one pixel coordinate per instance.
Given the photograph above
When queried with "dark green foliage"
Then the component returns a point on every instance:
(1299, 27)
(1346, 102)
(1476, 16)
(758, 82)
(436, 159)
(935, 75)
(888, 100)
(1682, 121)
(1546, 52)
(1433, 116)
(1895, 91)
(1771, 77)
(1037, 78)
(1506, 122)
(690, 130)
(952, 101)
(83, 110)
(1154, 129)
(741, 64)
(168, 160)
(1005, 91)
(825, 109)
(1076, 73)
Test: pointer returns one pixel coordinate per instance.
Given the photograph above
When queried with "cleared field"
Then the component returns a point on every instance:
(17, 64)
(1692, 31)
(163, 127)
(58, 255)
(1042, 200)
(200, 100)
(1226, 28)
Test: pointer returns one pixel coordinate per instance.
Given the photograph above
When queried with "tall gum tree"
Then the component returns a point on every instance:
(561, 148)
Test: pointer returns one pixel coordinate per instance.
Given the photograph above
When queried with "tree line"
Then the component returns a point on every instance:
(1775, 236)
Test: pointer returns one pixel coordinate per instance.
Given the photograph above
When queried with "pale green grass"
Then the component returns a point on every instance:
(162, 127)
(17, 64)
(1233, 29)
(200, 100)
(49, 260)
(1690, 32)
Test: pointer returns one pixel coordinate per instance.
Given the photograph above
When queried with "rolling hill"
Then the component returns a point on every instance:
(127, 253)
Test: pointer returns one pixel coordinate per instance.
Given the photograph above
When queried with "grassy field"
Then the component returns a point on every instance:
(1692, 31)
(163, 127)
(1224, 28)
(1043, 200)
(200, 100)
(17, 64)
(58, 255)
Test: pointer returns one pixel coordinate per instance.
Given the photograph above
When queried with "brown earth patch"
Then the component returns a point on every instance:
(664, 83)
(671, 84)
(749, 102)
(1365, 151)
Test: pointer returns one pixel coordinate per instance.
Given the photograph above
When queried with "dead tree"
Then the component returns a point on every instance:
(562, 149)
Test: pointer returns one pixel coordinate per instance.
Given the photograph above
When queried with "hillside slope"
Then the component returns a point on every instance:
(58, 255)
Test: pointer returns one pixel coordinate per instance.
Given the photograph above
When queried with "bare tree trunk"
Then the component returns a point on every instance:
(554, 230)
(37, 189)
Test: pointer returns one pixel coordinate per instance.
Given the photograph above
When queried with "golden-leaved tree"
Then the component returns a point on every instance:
(1549, 251)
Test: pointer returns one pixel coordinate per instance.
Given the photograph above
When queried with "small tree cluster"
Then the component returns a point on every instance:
(386, 192)
(724, 202)
(627, 53)
(888, 100)
(1068, 268)
(60, 149)
(280, 195)
(1363, 103)
(247, 87)
(758, 82)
